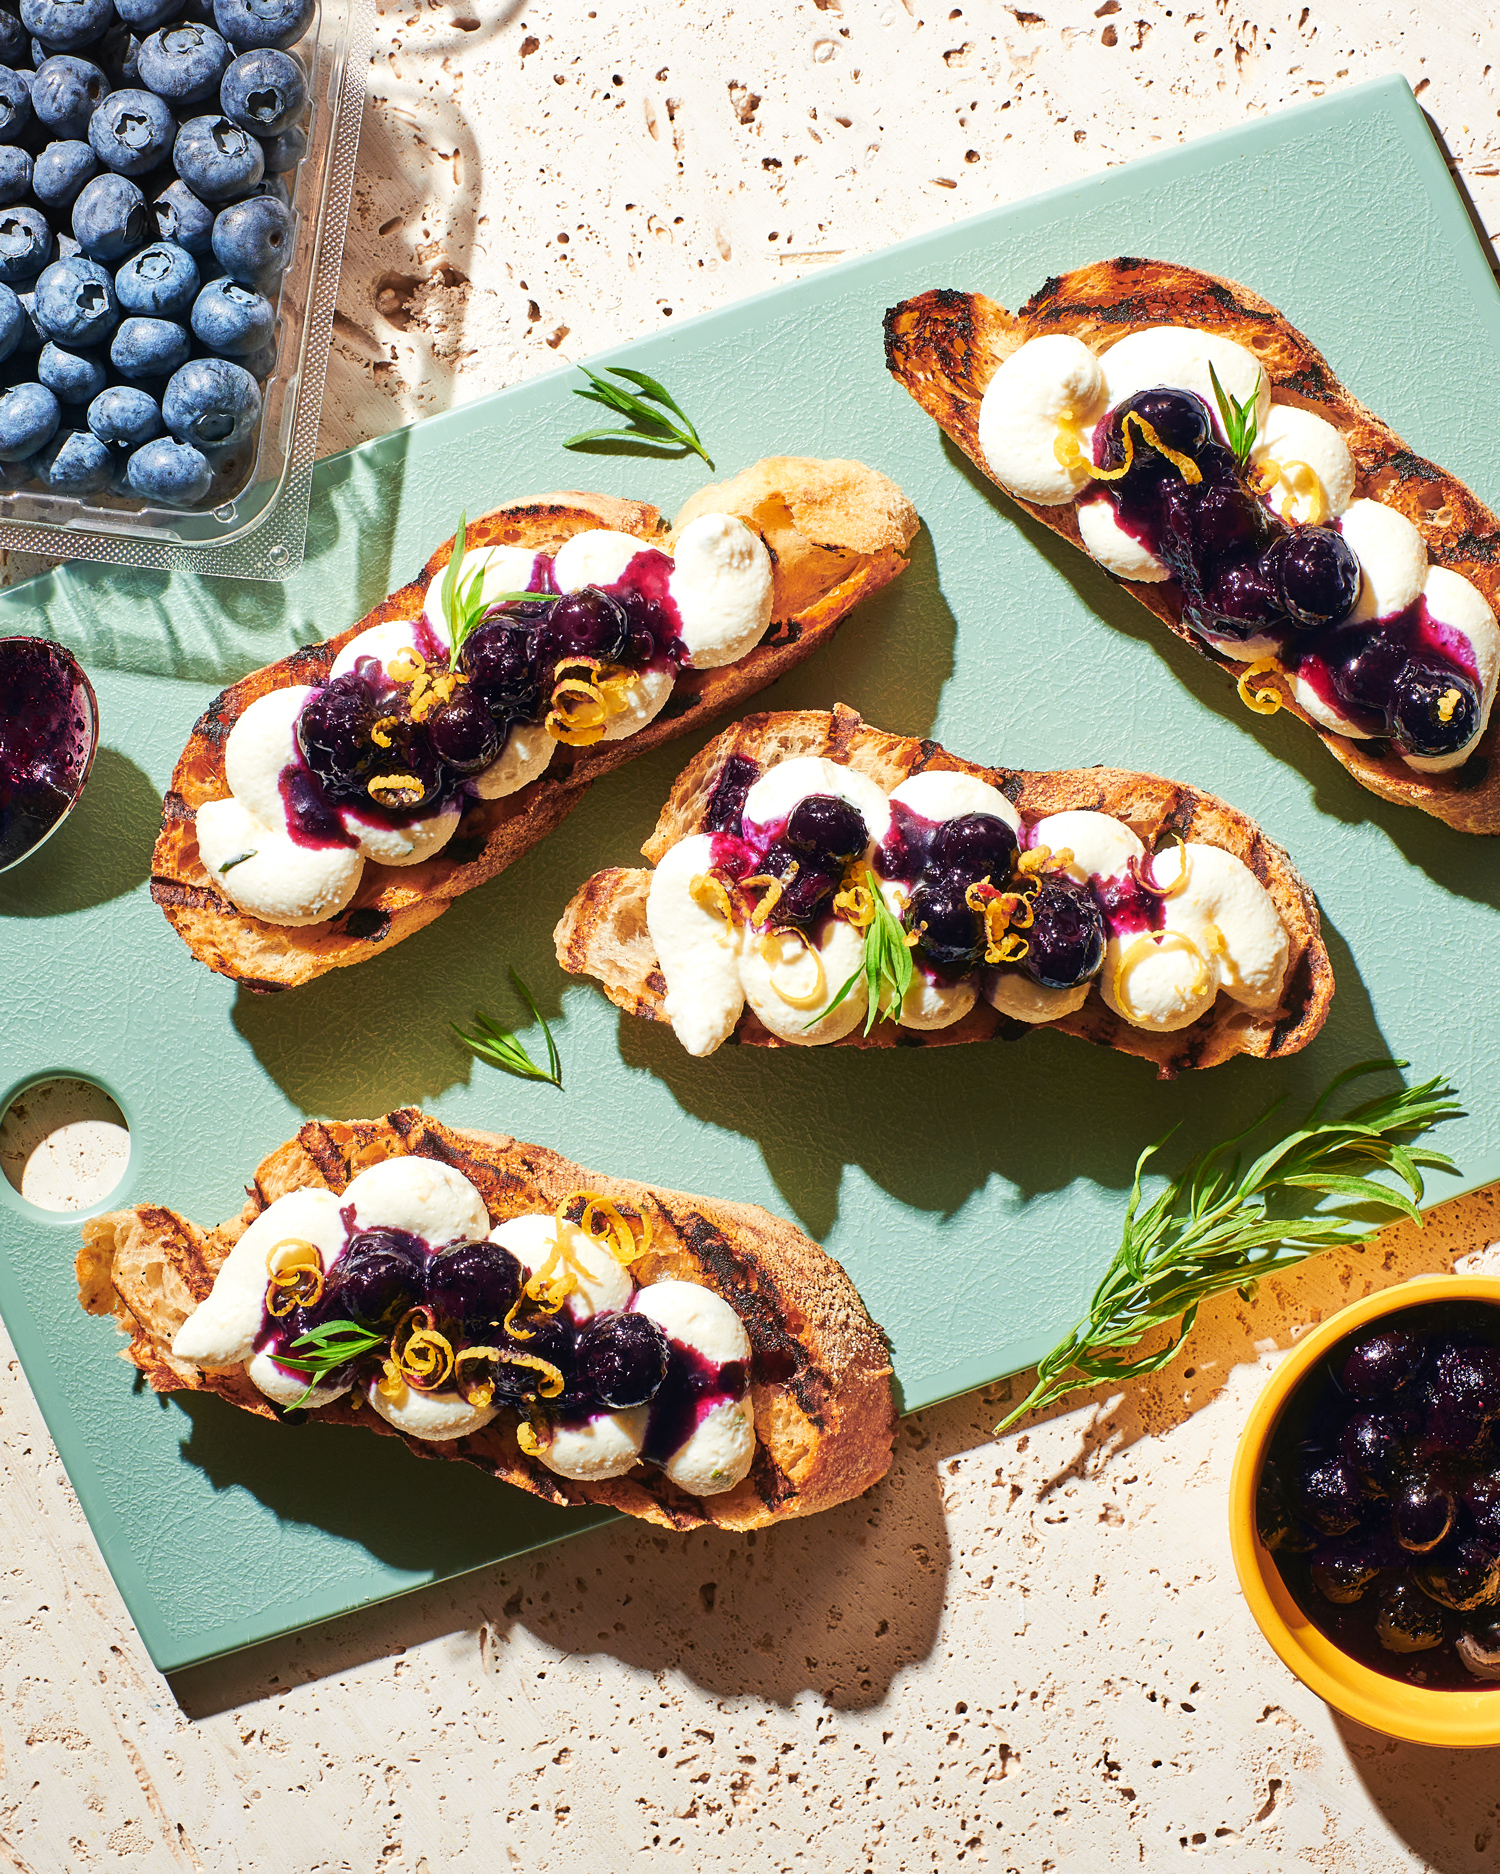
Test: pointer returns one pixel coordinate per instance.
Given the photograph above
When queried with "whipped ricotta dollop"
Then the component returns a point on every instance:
(302, 818)
(1159, 937)
(698, 1425)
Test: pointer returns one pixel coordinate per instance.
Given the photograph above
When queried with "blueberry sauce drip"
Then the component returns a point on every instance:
(1127, 906)
(1245, 573)
(311, 819)
(47, 727)
(726, 805)
(693, 1386)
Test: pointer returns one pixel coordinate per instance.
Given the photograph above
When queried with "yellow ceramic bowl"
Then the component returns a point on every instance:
(1457, 1719)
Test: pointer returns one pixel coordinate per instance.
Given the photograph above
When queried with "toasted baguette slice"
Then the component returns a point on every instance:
(820, 1376)
(603, 931)
(837, 532)
(945, 347)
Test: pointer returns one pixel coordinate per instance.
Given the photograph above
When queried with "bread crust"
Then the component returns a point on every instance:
(820, 1376)
(603, 931)
(839, 532)
(944, 347)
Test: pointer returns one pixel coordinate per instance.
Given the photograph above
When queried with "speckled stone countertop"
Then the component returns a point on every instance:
(1021, 1654)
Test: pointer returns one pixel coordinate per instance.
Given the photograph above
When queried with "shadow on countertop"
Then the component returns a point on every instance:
(1431, 1799)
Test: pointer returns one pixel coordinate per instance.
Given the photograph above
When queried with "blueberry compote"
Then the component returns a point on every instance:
(1380, 1495)
(48, 730)
(1246, 574)
(398, 751)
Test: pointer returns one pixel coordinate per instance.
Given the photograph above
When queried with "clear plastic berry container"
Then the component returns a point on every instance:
(254, 525)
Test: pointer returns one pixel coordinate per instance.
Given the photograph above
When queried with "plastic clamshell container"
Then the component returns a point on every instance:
(259, 532)
(1462, 1720)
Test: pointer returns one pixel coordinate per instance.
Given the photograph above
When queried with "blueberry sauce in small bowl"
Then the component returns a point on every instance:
(49, 730)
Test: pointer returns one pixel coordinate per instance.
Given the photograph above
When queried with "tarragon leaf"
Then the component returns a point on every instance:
(500, 1048)
(644, 422)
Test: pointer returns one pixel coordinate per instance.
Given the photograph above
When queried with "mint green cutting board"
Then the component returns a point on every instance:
(972, 1193)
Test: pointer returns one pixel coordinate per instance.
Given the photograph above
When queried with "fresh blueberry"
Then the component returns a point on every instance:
(231, 319)
(73, 377)
(283, 153)
(32, 336)
(61, 171)
(65, 25)
(216, 159)
(29, 416)
(15, 41)
(68, 248)
(277, 187)
(14, 324)
(75, 303)
(172, 472)
(264, 92)
(147, 348)
(25, 243)
(131, 132)
(146, 15)
(15, 105)
(211, 402)
(74, 463)
(15, 174)
(260, 363)
(117, 55)
(65, 94)
(1434, 707)
(125, 414)
(161, 279)
(252, 242)
(184, 63)
(110, 218)
(182, 218)
(250, 23)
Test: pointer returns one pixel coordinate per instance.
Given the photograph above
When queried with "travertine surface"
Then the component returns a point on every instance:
(1026, 1654)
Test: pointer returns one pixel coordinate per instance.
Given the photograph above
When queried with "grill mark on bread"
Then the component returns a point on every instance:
(316, 1140)
(169, 892)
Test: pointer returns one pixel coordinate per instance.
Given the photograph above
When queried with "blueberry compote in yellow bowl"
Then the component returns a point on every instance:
(1365, 1511)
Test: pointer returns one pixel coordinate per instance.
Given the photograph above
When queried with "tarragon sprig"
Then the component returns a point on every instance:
(1239, 419)
(1210, 1230)
(887, 960)
(329, 1346)
(464, 601)
(644, 421)
(501, 1049)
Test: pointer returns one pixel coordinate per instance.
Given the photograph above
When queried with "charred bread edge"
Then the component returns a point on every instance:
(944, 347)
(609, 910)
(825, 1415)
(392, 904)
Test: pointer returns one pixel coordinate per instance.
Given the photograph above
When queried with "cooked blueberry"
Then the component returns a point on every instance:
(1066, 937)
(263, 91)
(61, 171)
(1479, 1648)
(464, 733)
(171, 472)
(726, 807)
(184, 63)
(252, 240)
(73, 377)
(500, 659)
(473, 1285)
(123, 414)
(64, 25)
(1407, 1621)
(828, 827)
(1226, 520)
(1481, 1505)
(1178, 417)
(587, 623)
(109, 218)
(1382, 1364)
(65, 94)
(1276, 1522)
(283, 153)
(622, 1360)
(551, 1337)
(150, 348)
(1434, 707)
(978, 845)
(950, 933)
(1377, 1444)
(247, 24)
(183, 219)
(807, 884)
(1241, 601)
(1341, 1571)
(1463, 1578)
(334, 733)
(211, 402)
(1422, 1510)
(131, 132)
(1327, 1493)
(74, 463)
(29, 416)
(216, 159)
(1363, 664)
(160, 280)
(1316, 575)
(379, 1274)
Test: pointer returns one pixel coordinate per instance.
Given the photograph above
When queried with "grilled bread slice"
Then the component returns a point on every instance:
(837, 531)
(603, 931)
(820, 1374)
(945, 347)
